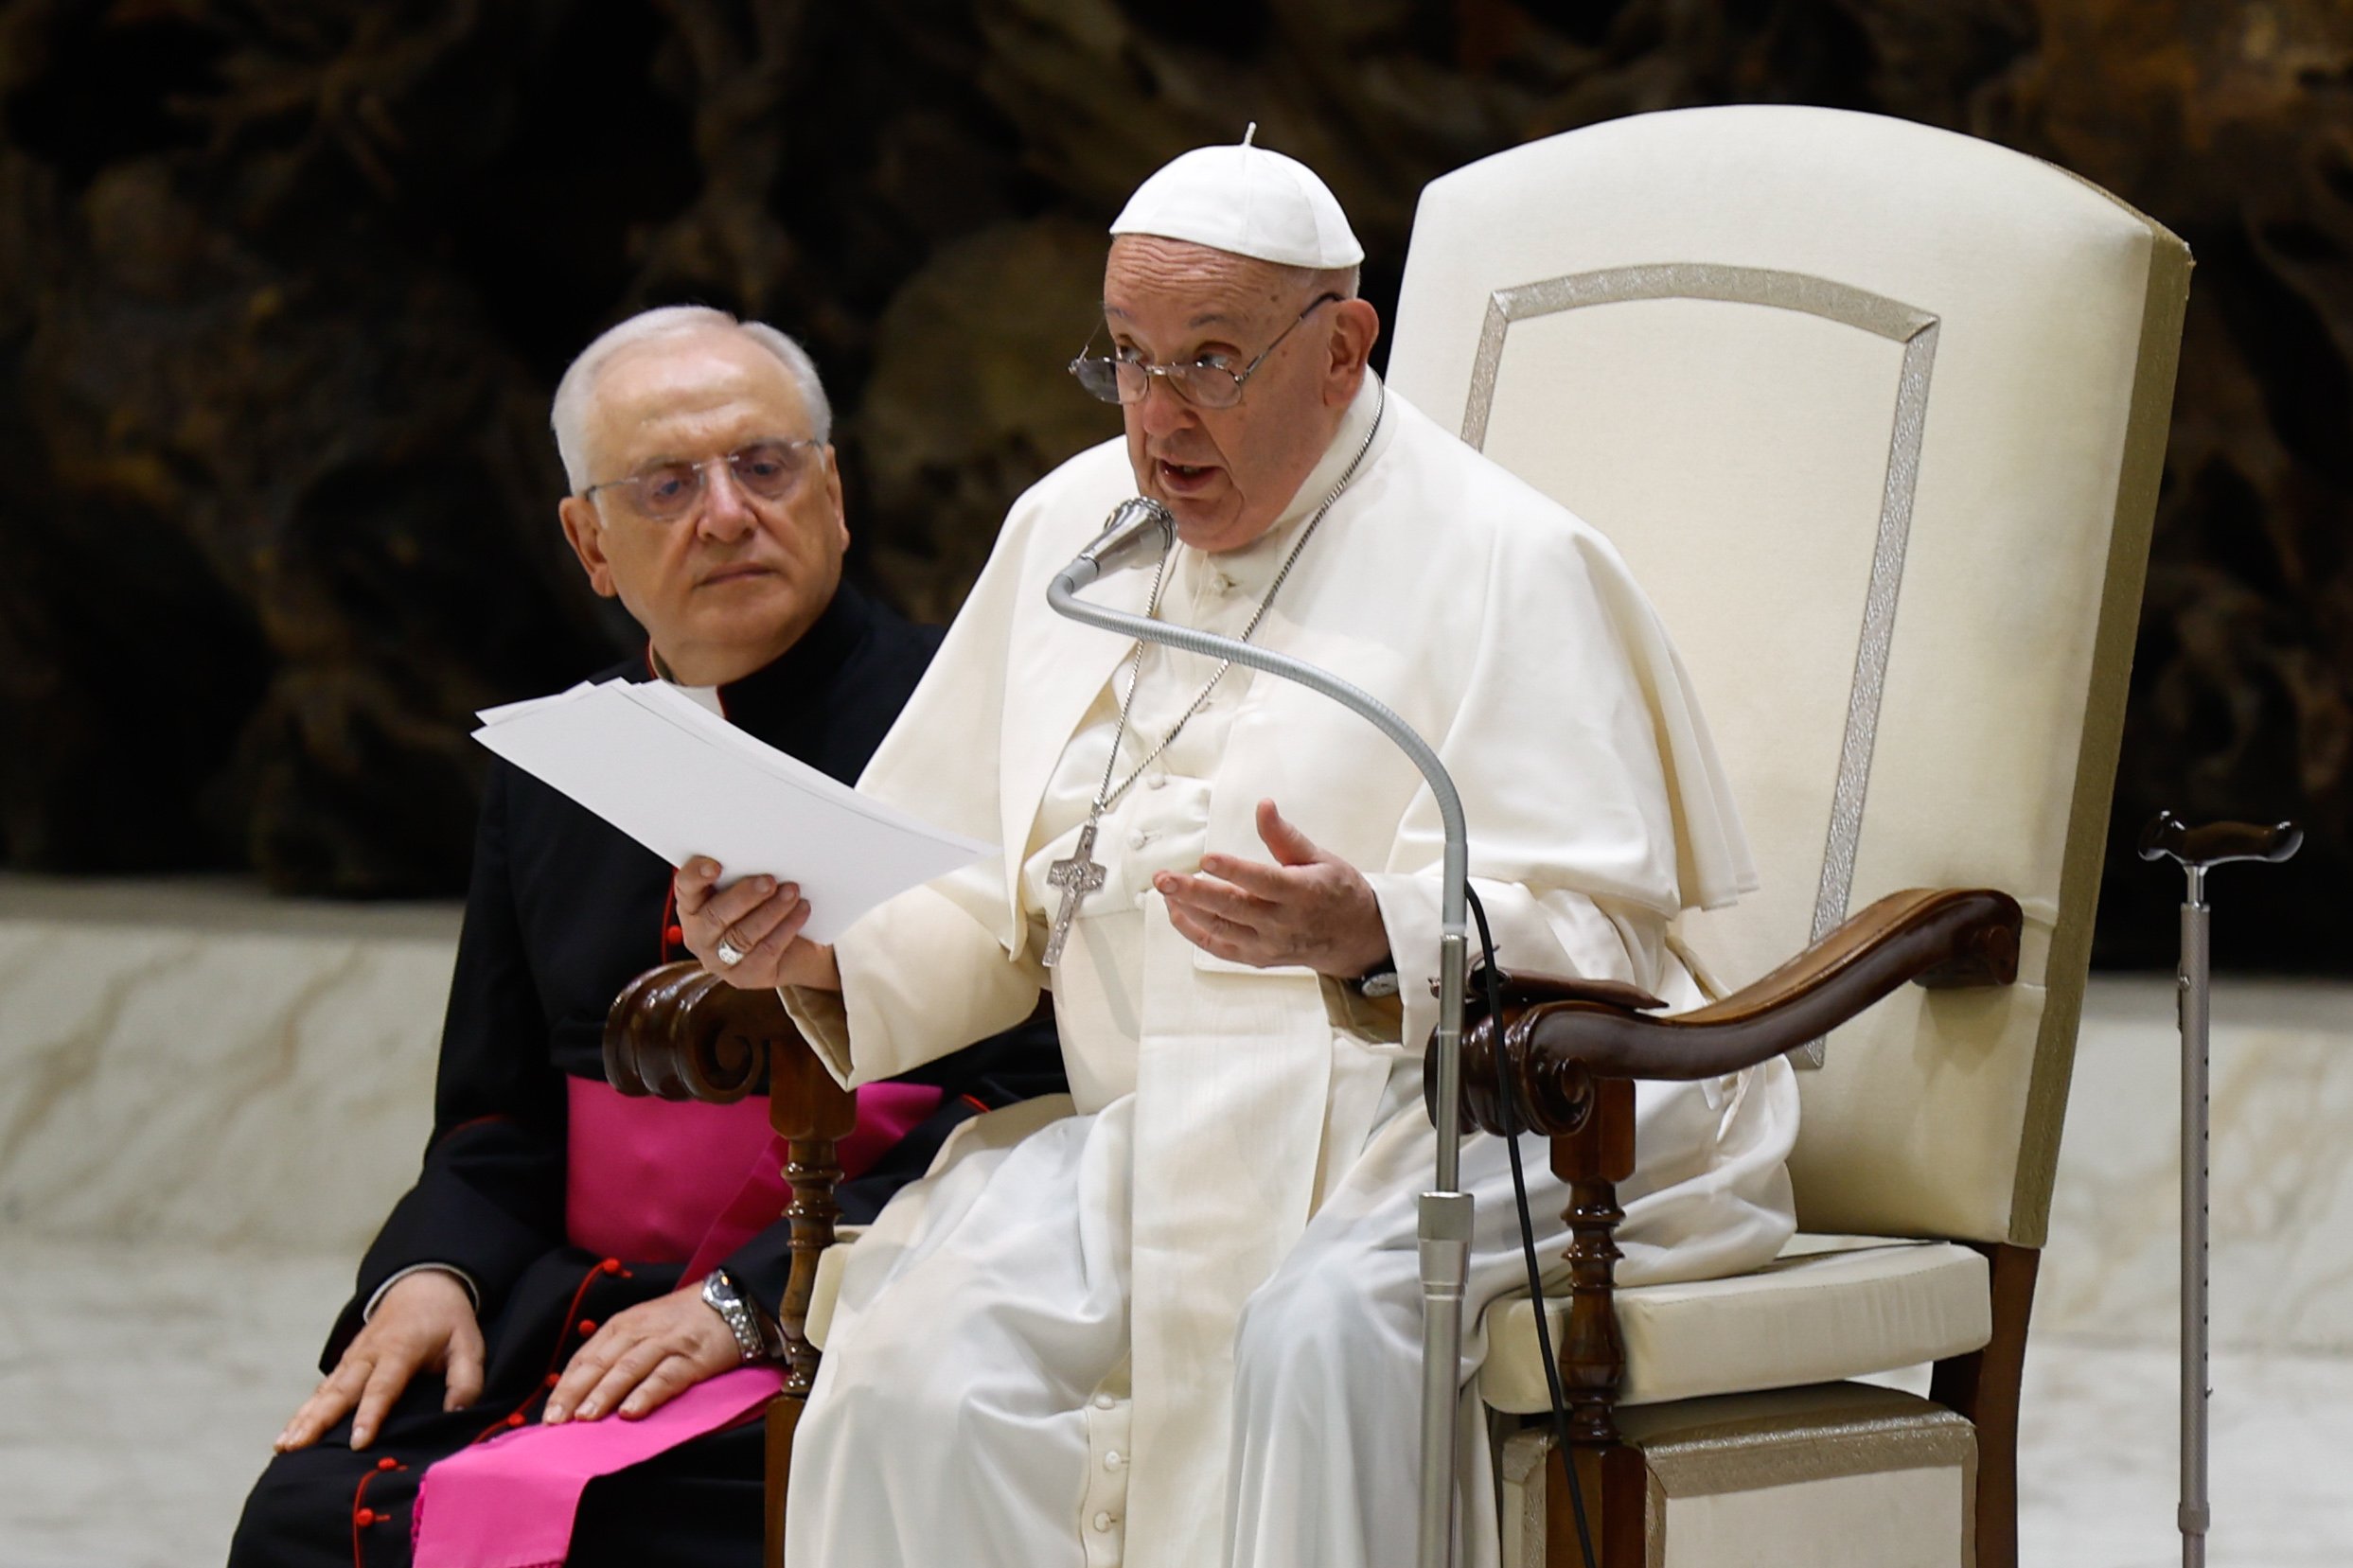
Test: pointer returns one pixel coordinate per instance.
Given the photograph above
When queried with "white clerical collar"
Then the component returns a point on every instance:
(706, 696)
(1253, 565)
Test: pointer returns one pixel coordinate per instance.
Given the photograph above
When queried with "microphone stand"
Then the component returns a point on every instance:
(1444, 1230)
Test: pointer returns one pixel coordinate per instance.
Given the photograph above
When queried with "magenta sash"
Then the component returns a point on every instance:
(651, 1181)
(509, 1502)
(643, 1179)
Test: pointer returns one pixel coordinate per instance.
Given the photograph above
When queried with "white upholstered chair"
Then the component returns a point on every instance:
(1876, 412)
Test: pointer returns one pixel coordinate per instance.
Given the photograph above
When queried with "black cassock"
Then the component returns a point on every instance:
(562, 912)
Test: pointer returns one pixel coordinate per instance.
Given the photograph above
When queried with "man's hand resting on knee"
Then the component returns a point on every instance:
(640, 1360)
(425, 1321)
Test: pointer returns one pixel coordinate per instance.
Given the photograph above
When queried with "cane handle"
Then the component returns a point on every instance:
(2217, 843)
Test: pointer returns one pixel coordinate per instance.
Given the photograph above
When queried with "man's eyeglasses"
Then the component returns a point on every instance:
(771, 471)
(1203, 383)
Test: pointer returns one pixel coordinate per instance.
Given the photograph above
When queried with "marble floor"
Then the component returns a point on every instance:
(2098, 1468)
(130, 1424)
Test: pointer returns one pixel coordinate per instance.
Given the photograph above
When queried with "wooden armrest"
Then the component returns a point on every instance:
(1948, 937)
(681, 1033)
(1530, 989)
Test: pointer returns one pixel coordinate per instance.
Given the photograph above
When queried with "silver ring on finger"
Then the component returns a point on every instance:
(727, 952)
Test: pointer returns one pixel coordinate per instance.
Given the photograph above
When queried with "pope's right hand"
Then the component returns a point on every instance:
(426, 1321)
(759, 921)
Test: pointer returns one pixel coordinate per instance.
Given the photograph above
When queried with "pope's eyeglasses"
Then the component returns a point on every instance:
(665, 492)
(1203, 382)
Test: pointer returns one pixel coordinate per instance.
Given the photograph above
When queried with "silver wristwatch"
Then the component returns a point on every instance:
(718, 1293)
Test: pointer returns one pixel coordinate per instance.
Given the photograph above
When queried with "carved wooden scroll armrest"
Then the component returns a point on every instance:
(681, 1033)
(1558, 1038)
(1573, 1048)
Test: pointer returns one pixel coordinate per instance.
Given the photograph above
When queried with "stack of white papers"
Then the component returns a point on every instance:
(684, 782)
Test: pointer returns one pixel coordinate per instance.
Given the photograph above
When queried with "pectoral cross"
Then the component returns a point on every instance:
(1077, 876)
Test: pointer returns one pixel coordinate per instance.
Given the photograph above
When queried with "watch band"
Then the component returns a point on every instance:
(1380, 981)
(718, 1293)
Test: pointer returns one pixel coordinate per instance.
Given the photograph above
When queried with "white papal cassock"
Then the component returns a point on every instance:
(1181, 1326)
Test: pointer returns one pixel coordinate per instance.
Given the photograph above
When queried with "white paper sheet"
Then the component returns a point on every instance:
(684, 782)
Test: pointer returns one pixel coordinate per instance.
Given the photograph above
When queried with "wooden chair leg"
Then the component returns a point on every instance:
(1984, 1386)
(683, 1033)
(784, 1415)
(813, 1170)
(1616, 1488)
(1592, 1161)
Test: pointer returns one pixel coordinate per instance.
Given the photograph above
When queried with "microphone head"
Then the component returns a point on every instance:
(1136, 511)
(1138, 529)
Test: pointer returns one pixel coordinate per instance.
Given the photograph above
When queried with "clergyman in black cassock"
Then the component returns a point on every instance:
(562, 912)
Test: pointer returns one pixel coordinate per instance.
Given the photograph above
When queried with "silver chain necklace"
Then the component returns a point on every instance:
(1081, 874)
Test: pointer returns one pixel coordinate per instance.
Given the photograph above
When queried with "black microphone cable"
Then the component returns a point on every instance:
(1491, 976)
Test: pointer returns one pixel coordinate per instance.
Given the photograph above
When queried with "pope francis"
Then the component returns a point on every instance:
(1174, 1321)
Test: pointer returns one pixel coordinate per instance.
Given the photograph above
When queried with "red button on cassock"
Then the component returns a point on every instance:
(365, 1516)
(610, 1265)
(516, 1420)
(675, 936)
(387, 1464)
(587, 1327)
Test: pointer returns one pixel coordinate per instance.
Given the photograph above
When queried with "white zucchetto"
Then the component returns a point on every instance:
(1245, 200)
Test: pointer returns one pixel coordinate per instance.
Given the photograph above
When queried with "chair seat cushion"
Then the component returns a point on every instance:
(1830, 1307)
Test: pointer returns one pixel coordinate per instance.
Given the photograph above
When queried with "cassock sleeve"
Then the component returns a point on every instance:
(920, 977)
(491, 1198)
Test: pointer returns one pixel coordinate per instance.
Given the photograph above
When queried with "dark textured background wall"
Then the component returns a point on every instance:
(284, 291)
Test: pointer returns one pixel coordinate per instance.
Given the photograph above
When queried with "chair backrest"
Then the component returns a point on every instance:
(1876, 412)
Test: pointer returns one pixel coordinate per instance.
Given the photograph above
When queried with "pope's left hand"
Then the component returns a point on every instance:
(1308, 908)
(640, 1360)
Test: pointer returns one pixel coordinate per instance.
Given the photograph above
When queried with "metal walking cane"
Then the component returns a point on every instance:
(2198, 851)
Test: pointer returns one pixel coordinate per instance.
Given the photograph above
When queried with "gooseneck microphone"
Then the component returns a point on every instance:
(1138, 531)
(1143, 530)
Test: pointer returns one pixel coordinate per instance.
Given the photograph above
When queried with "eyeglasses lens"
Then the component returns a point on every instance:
(1102, 380)
(1206, 385)
(769, 470)
(1124, 382)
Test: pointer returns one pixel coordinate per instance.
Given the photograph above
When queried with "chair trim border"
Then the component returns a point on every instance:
(2148, 421)
(1916, 331)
